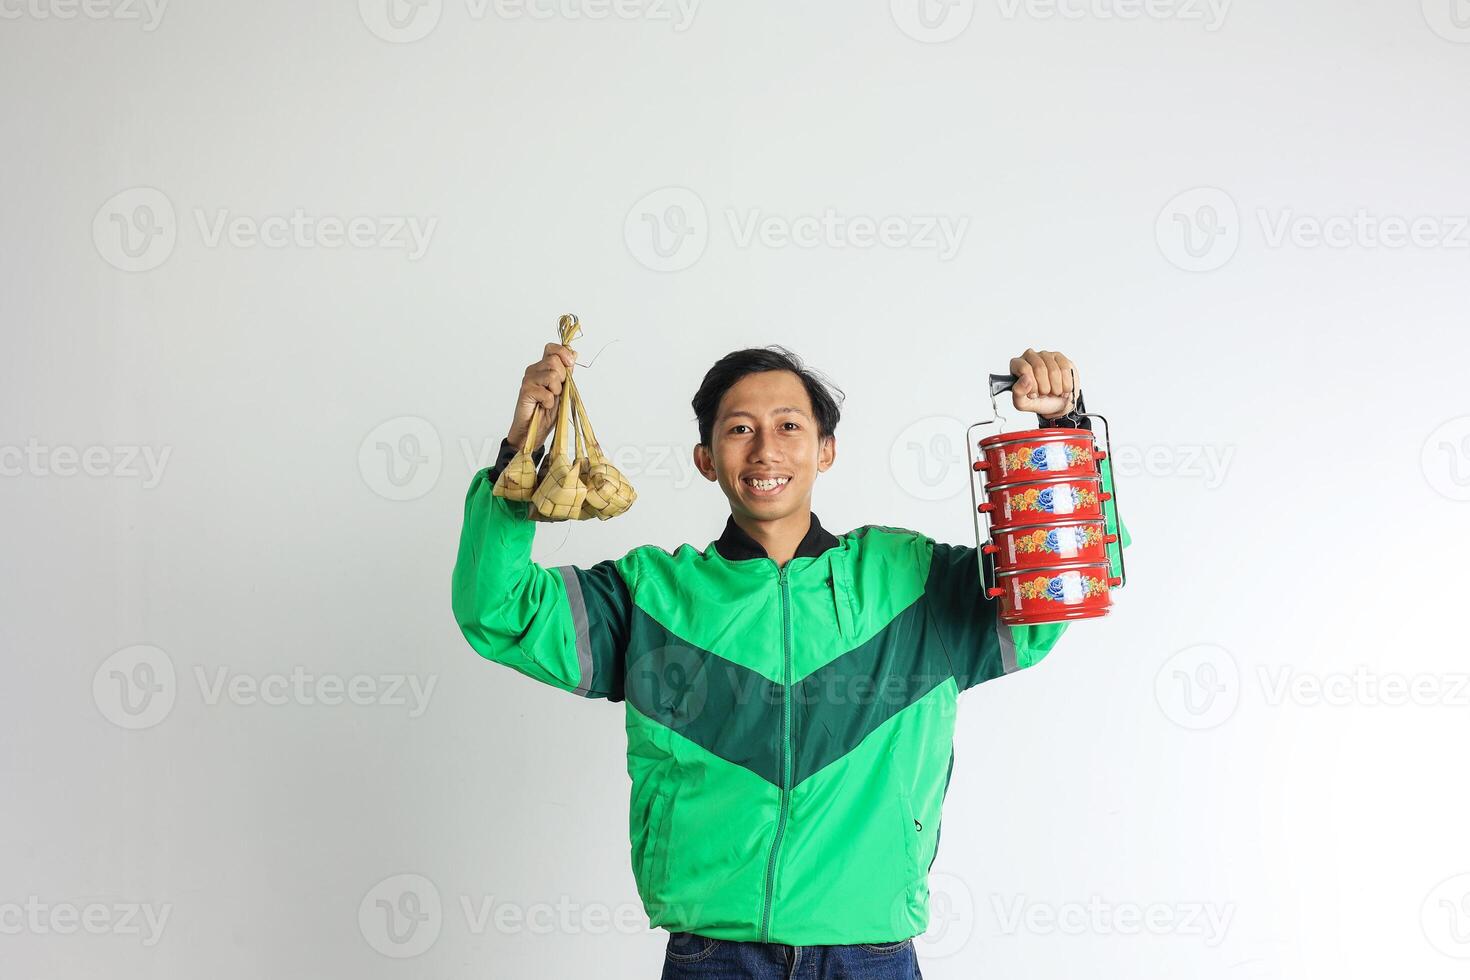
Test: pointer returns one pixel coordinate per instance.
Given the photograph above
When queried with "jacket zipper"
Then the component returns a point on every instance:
(785, 755)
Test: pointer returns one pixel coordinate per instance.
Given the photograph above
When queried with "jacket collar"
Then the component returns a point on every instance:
(736, 545)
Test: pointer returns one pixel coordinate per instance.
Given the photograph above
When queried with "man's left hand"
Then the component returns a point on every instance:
(1046, 383)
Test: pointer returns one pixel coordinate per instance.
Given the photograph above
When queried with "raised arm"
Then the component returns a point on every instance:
(979, 645)
(565, 625)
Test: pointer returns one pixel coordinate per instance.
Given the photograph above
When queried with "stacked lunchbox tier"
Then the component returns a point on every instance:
(1049, 538)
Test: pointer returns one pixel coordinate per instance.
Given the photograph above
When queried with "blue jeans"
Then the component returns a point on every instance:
(694, 957)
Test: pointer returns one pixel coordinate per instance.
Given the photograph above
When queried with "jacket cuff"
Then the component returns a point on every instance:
(1069, 421)
(508, 452)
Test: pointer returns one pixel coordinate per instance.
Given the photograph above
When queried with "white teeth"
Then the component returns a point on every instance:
(768, 484)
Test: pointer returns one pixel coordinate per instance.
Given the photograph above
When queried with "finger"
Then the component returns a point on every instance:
(1039, 371)
(1059, 377)
(1025, 381)
(546, 380)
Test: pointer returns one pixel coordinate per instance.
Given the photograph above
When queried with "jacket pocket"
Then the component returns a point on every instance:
(913, 832)
(650, 854)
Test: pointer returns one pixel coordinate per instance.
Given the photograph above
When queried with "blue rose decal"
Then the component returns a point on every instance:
(1045, 499)
(1053, 543)
(1038, 458)
(1054, 588)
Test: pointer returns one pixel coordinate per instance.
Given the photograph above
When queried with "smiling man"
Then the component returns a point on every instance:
(789, 692)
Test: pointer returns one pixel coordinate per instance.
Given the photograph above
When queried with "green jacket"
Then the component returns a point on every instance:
(790, 730)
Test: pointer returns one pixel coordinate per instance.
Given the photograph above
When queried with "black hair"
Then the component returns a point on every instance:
(737, 364)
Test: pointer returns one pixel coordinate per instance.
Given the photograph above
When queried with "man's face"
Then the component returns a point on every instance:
(764, 429)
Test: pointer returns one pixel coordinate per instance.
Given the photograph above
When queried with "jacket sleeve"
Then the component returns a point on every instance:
(979, 645)
(565, 626)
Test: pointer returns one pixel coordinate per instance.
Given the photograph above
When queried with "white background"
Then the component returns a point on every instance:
(1138, 186)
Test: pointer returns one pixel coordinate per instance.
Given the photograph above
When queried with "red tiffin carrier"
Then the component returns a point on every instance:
(1046, 538)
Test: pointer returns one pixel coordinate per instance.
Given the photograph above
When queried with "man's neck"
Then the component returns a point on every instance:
(780, 537)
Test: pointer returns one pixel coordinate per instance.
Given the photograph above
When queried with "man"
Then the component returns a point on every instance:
(789, 693)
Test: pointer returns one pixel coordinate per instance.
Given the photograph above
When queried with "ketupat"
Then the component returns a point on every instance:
(575, 481)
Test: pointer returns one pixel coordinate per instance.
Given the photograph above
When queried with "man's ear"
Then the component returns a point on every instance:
(704, 462)
(827, 453)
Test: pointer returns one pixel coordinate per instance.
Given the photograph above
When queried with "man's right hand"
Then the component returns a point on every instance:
(540, 391)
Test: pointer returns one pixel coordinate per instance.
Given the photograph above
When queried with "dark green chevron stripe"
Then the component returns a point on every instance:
(735, 713)
(725, 708)
(845, 701)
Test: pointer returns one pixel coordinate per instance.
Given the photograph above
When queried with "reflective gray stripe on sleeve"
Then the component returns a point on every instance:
(1007, 646)
(579, 626)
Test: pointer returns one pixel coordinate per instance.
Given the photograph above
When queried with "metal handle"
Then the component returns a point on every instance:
(1110, 497)
(984, 547)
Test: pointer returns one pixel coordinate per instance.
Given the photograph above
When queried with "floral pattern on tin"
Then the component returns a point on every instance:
(1052, 590)
(1044, 500)
(1036, 458)
(1051, 541)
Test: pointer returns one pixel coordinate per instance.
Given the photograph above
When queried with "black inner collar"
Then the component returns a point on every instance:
(735, 545)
